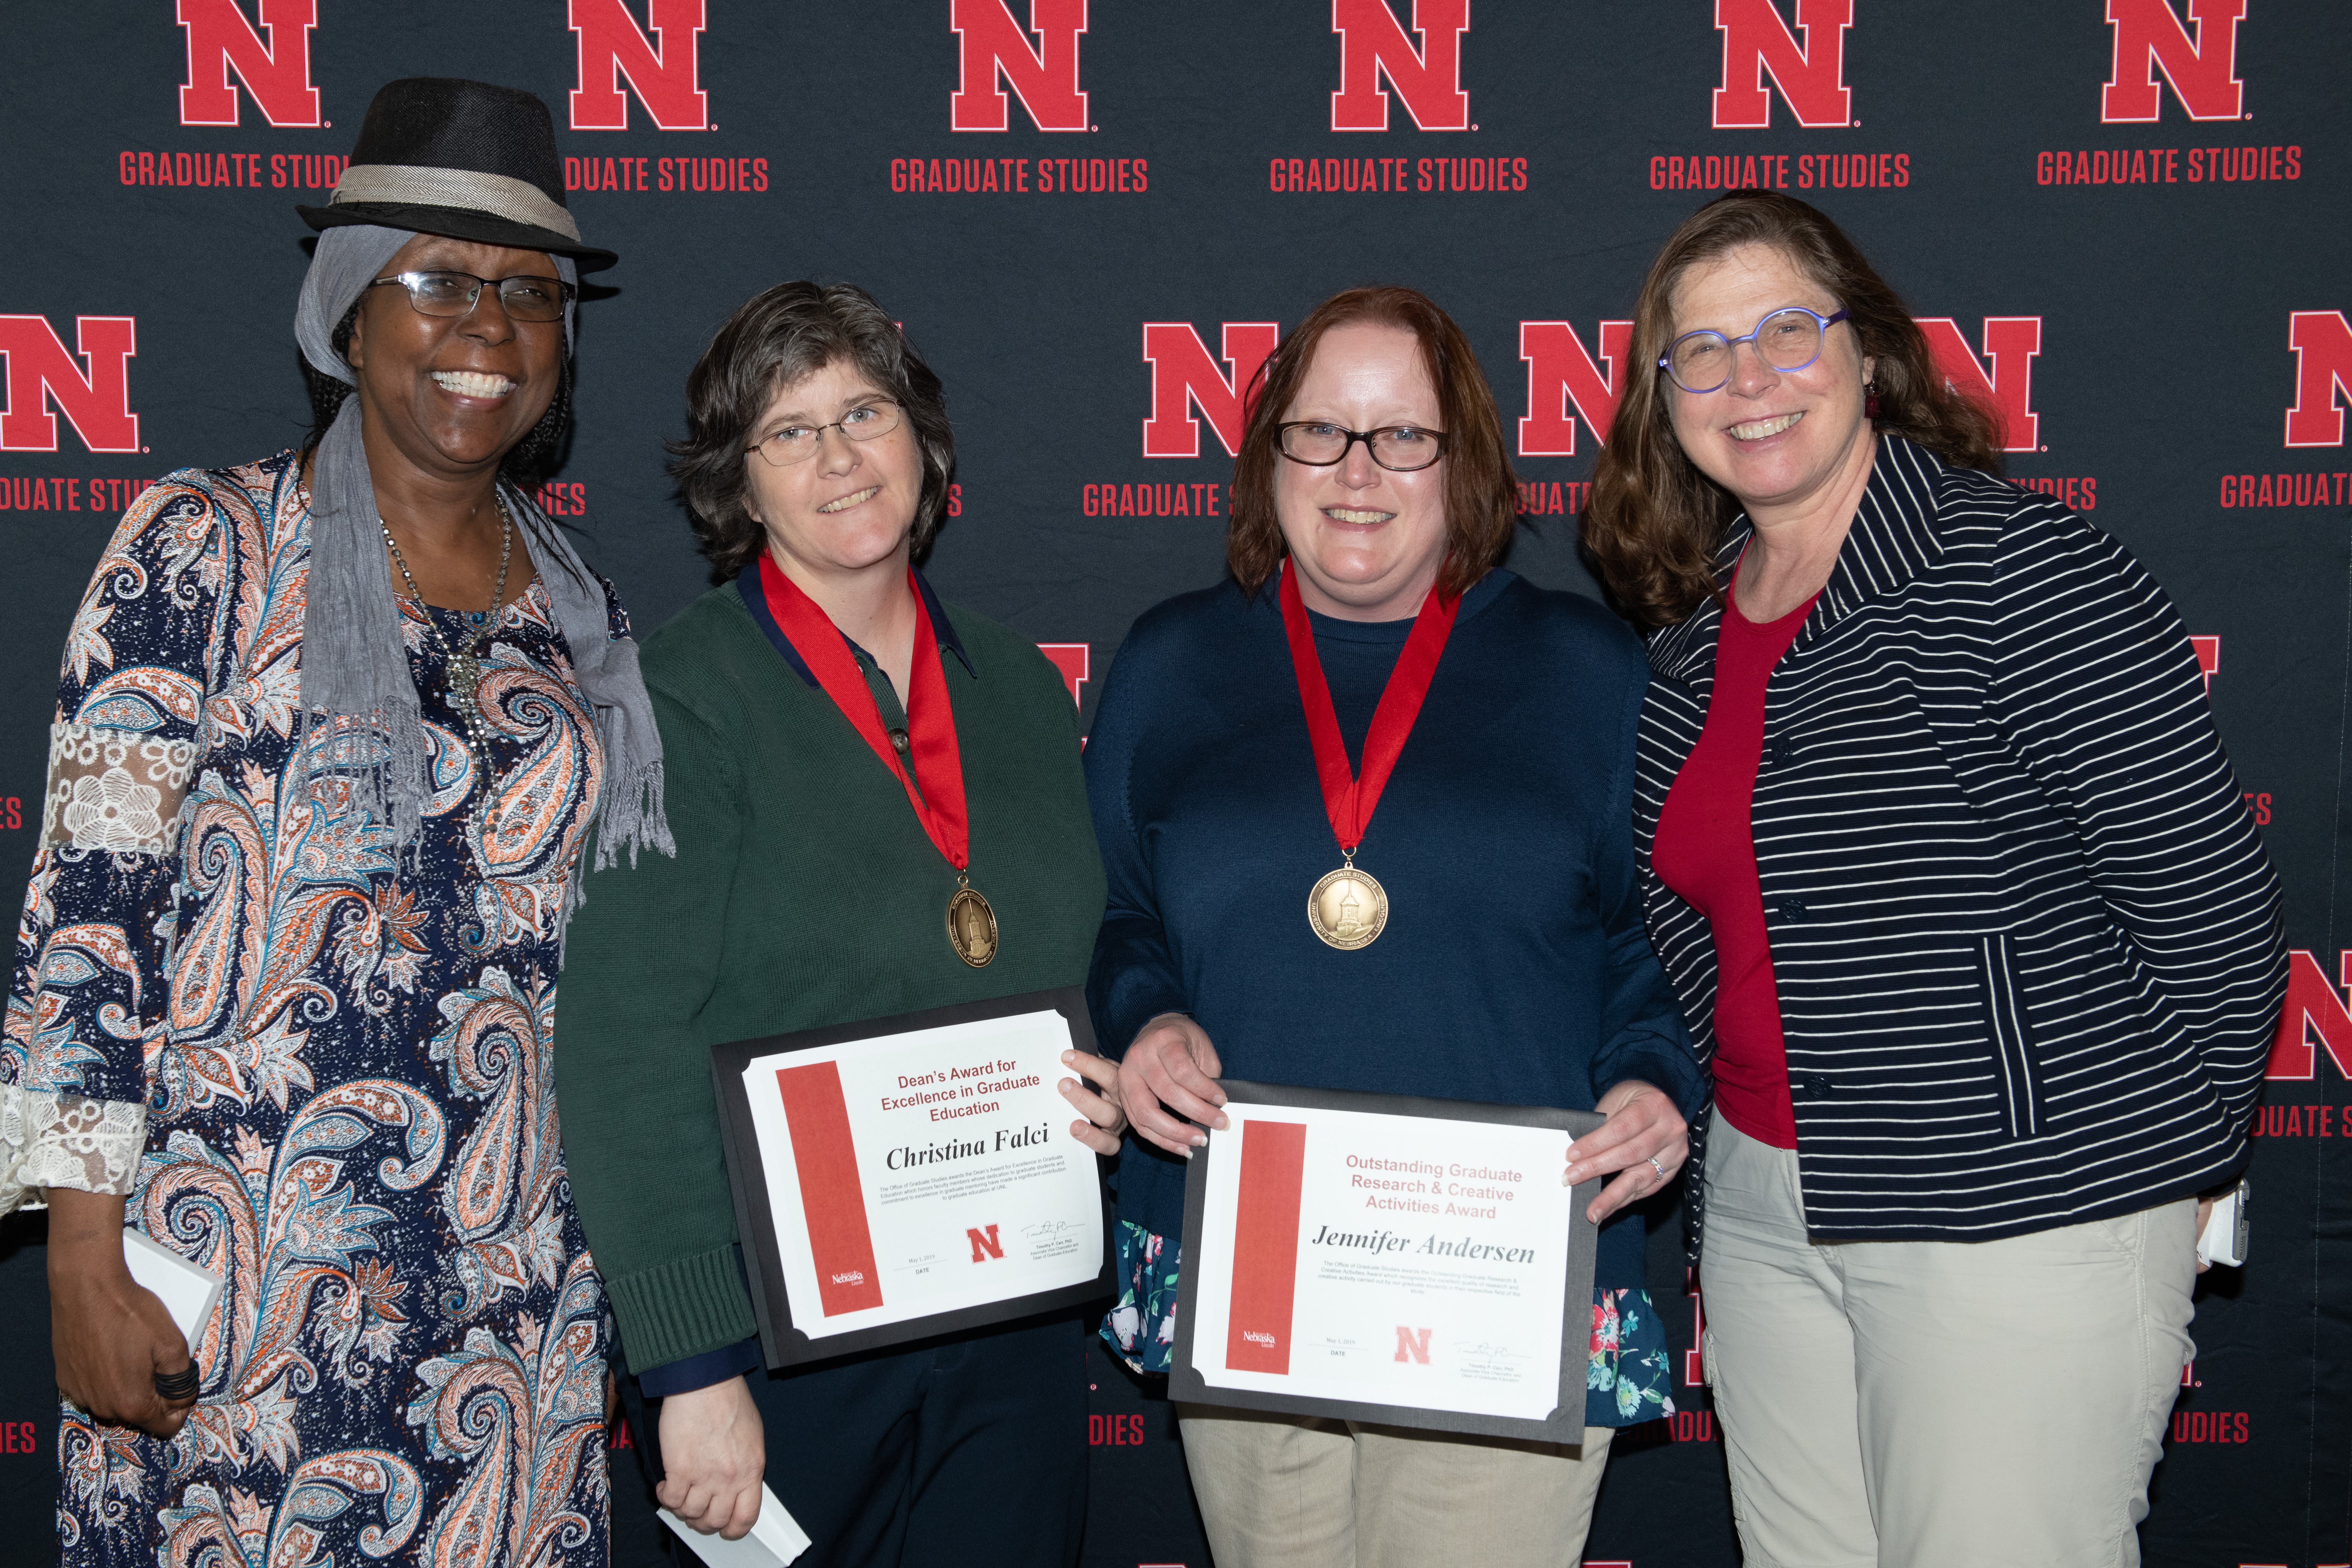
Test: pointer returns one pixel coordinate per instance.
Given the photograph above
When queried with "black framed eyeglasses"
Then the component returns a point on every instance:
(799, 443)
(445, 293)
(1318, 444)
(1787, 340)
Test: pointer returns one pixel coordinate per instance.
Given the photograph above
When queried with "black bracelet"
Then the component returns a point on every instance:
(180, 1385)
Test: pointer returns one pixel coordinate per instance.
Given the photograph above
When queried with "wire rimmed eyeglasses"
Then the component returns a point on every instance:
(1318, 444)
(1787, 340)
(439, 292)
(799, 443)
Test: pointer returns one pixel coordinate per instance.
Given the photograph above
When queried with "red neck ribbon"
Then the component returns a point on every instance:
(931, 721)
(1348, 799)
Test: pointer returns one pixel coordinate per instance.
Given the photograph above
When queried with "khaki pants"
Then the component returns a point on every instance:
(1292, 1491)
(1938, 1403)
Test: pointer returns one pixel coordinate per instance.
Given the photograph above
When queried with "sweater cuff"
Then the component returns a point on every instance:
(1672, 1070)
(681, 1308)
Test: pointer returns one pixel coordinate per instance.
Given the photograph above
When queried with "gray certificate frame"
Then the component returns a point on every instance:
(1566, 1421)
(782, 1344)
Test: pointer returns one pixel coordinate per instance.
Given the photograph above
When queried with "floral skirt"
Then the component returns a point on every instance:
(1629, 1378)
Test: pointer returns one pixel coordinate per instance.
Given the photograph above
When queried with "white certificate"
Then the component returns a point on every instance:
(914, 1180)
(1400, 1265)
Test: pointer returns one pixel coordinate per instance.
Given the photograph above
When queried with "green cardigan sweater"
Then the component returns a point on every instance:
(803, 894)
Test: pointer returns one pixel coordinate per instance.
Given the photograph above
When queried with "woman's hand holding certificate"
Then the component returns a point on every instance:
(1169, 1073)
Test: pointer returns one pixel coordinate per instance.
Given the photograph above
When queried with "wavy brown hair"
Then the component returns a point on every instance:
(1654, 521)
(774, 338)
(1481, 496)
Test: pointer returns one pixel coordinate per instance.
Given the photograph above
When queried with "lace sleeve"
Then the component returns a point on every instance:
(89, 991)
(66, 1141)
(116, 790)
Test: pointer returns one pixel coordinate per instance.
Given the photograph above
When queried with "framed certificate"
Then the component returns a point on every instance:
(1377, 1258)
(911, 1176)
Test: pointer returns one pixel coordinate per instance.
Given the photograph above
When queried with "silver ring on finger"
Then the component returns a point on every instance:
(1663, 1177)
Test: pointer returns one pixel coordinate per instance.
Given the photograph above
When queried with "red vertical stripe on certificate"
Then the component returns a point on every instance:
(831, 1197)
(1265, 1247)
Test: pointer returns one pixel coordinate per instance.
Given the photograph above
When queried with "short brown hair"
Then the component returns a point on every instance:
(1654, 521)
(1481, 496)
(774, 338)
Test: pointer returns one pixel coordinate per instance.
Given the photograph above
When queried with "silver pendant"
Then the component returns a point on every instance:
(465, 678)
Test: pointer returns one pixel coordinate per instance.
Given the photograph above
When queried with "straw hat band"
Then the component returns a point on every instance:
(420, 185)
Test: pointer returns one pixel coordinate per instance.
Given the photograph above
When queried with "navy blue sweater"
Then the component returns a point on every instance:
(1513, 968)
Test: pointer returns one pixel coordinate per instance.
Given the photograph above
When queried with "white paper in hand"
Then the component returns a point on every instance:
(188, 1293)
(2225, 1233)
(774, 1541)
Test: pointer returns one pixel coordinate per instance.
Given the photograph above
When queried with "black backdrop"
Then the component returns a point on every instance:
(2124, 220)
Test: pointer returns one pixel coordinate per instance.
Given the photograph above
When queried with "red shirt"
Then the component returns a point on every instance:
(1706, 852)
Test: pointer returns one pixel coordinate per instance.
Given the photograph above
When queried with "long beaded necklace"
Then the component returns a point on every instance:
(464, 664)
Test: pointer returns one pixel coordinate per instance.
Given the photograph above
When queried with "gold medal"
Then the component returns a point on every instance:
(972, 927)
(1347, 909)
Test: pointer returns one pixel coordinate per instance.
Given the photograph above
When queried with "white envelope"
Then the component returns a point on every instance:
(774, 1541)
(188, 1293)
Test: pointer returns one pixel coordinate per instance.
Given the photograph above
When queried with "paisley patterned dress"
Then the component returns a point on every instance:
(314, 1065)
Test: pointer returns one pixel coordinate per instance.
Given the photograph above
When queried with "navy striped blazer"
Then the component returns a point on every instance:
(2026, 940)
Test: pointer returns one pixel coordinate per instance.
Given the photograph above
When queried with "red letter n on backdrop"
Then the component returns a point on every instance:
(1071, 660)
(278, 74)
(669, 80)
(2322, 341)
(1429, 78)
(992, 45)
(2010, 342)
(1812, 78)
(2203, 71)
(1182, 375)
(1560, 373)
(97, 402)
(2313, 1005)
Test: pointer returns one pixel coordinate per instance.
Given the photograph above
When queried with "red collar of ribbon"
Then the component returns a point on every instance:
(931, 721)
(1348, 799)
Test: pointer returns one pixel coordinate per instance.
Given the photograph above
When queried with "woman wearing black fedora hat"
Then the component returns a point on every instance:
(331, 729)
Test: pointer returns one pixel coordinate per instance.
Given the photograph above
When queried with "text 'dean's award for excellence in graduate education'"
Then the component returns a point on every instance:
(1375, 1257)
(911, 1176)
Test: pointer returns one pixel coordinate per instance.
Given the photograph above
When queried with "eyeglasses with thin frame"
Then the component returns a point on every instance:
(444, 293)
(798, 443)
(1787, 340)
(1318, 444)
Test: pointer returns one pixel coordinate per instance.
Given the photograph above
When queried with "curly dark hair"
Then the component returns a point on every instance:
(774, 338)
(538, 454)
(1480, 497)
(1654, 521)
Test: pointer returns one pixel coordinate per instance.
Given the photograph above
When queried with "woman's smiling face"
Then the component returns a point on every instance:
(1774, 438)
(851, 505)
(453, 393)
(1366, 542)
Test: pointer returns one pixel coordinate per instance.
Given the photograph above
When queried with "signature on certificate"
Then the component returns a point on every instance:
(1047, 1227)
(1495, 1352)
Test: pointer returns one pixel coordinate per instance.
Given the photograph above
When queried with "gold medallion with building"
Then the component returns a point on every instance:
(971, 928)
(1348, 908)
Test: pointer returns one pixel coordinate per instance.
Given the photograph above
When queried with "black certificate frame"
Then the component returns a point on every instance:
(782, 1344)
(1566, 1421)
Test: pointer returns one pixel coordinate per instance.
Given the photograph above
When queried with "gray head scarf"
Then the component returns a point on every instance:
(356, 683)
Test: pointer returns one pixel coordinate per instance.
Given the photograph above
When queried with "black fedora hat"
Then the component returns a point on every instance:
(443, 155)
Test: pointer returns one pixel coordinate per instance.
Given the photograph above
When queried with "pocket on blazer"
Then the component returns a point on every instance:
(2018, 1066)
